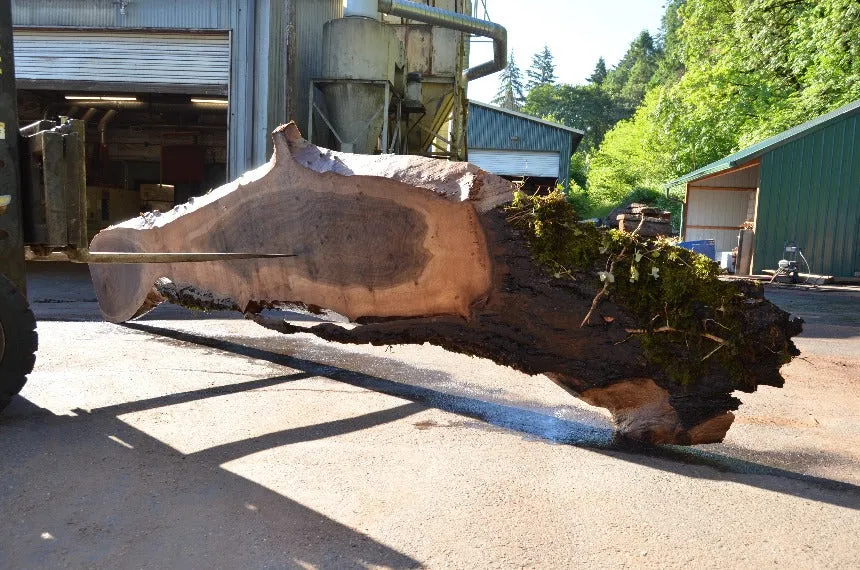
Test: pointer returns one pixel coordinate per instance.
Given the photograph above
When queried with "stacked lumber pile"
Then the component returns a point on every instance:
(646, 221)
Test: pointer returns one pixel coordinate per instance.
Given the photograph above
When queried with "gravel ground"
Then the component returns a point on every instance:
(205, 441)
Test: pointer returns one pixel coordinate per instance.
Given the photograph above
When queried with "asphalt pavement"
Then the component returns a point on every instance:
(190, 440)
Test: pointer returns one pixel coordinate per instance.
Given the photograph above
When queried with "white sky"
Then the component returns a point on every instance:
(577, 32)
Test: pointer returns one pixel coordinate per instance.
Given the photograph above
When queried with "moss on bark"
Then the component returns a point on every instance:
(691, 324)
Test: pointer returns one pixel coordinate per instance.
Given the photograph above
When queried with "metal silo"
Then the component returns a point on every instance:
(360, 58)
(360, 99)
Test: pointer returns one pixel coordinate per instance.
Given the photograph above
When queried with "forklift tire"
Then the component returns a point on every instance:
(18, 341)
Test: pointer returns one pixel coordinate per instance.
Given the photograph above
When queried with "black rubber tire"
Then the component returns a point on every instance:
(18, 338)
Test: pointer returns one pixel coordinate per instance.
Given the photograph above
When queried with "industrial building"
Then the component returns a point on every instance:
(179, 97)
(517, 145)
(799, 188)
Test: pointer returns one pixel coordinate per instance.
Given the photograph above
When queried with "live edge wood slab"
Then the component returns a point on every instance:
(419, 250)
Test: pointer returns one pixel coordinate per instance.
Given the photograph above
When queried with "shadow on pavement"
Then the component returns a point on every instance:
(132, 501)
(685, 461)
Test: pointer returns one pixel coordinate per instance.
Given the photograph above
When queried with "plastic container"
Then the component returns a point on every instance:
(706, 247)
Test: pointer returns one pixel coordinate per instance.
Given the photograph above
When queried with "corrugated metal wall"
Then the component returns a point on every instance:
(310, 17)
(810, 194)
(195, 63)
(270, 75)
(491, 129)
(516, 162)
(258, 79)
(211, 14)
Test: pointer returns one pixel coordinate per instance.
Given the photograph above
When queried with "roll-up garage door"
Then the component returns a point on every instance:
(122, 60)
(516, 162)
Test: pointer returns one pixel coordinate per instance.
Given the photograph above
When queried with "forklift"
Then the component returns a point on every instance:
(42, 212)
(18, 340)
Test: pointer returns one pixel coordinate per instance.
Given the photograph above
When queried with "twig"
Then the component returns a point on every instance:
(708, 336)
(714, 338)
(719, 346)
(610, 269)
(595, 301)
(718, 324)
(602, 292)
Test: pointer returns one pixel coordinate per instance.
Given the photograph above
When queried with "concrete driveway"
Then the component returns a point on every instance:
(205, 441)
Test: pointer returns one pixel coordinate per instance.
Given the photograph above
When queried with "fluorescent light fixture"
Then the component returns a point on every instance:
(213, 101)
(99, 98)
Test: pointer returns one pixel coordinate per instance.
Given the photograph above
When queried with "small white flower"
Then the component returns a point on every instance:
(655, 272)
(606, 276)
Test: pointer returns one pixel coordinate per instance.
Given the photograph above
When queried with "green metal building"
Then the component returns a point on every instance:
(801, 186)
(509, 143)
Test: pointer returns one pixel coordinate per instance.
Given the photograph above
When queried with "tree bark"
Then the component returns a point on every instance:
(417, 250)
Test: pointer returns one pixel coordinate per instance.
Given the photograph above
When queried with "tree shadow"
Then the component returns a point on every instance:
(685, 461)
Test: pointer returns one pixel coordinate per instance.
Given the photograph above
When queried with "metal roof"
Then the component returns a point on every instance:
(526, 116)
(767, 145)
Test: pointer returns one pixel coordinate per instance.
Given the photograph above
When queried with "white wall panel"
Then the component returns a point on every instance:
(516, 163)
(717, 207)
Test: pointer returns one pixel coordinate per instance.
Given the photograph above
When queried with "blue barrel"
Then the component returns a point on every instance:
(706, 247)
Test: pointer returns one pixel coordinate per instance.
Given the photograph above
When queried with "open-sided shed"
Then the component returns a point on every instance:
(799, 187)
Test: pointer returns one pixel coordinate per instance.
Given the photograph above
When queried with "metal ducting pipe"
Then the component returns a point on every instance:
(103, 122)
(91, 112)
(461, 23)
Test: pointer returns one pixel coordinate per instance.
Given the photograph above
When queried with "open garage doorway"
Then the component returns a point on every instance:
(154, 103)
(145, 151)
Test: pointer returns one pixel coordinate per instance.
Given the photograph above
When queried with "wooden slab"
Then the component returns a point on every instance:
(366, 246)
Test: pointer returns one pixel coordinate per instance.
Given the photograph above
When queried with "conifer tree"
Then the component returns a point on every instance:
(510, 94)
(599, 73)
(542, 71)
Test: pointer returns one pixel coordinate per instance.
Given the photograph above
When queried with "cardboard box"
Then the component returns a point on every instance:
(156, 193)
(107, 205)
(158, 205)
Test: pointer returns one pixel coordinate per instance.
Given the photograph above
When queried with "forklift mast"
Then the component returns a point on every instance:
(11, 216)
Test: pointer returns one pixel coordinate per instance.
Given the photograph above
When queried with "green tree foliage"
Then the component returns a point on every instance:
(670, 66)
(719, 76)
(729, 74)
(628, 81)
(510, 94)
(584, 107)
(542, 70)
